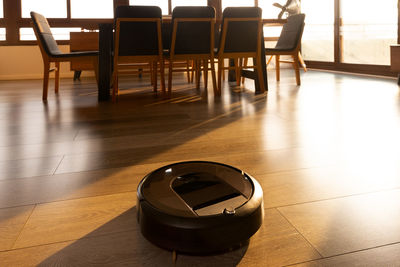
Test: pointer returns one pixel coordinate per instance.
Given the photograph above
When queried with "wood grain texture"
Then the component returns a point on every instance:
(74, 219)
(12, 221)
(348, 224)
(326, 154)
(381, 256)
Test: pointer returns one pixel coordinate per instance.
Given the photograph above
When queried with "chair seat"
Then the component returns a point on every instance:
(76, 54)
(276, 49)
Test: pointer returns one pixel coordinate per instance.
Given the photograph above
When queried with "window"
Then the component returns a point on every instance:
(226, 3)
(268, 10)
(27, 34)
(2, 34)
(318, 37)
(188, 3)
(367, 31)
(48, 8)
(1, 9)
(163, 4)
(84, 9)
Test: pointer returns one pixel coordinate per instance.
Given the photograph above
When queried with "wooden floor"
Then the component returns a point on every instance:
(327, 155)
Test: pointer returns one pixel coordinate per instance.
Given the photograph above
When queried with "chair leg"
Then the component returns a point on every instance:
(269, 60)
(245, 62)
(215, 88)
(153, 71)
(192, 71)
(46, 73)
(170, 78)
(162, 76)
(205, 73)
(197, 66)
(237, 70)
(303, 64)
(57, 77)
(296, 67)
(260, 77)
(220, 72)
(277, 67)
(223, 70)
(188, 70)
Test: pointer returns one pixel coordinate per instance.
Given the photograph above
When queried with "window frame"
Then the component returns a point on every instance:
(12, 21)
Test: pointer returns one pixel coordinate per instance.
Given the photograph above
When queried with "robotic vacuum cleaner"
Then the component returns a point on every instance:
(199, 207)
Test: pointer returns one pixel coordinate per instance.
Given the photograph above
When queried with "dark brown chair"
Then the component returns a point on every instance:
(241, 37)
(192, 39)
(52, 54)
(289, 44)
(138, 40)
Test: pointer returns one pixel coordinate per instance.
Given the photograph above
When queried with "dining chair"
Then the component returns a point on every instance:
(289, 45)
(138, 41)
(241, 37)
(192, 39)
(52, 54)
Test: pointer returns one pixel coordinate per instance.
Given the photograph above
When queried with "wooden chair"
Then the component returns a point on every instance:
(289, 44)
(192, 39)
(138, 41)
(241, 37)
(52, 54)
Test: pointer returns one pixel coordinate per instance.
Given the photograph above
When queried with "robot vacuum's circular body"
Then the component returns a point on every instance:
(199, 207)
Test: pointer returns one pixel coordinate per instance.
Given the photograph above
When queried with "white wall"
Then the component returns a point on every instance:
(25, 62)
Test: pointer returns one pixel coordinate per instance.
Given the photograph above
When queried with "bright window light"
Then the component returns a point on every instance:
(27, 34)
(2, 34)
(1, 9)
(268, 10)
(48, 8)
(162, 4)
(90, 9)
(188, 3)
(226, 3)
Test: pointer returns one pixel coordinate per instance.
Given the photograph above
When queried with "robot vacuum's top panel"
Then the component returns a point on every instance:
(193, 189)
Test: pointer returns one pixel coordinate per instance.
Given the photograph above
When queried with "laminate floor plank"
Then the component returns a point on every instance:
(321, 183)
(348, 224)
(326, 153)
(382, 256)
(73, 219)
(46, 189)
(12, 221)
(105, 248)
(28, 167)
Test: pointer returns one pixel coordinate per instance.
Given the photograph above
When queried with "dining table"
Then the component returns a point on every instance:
(106, 42)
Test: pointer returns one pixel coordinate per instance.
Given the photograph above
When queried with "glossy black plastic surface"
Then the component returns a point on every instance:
(199, 207)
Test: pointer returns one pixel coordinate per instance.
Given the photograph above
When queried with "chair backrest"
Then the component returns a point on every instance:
(192, 30)
(240, 29)
(291, 33)
(44, 36)
(138, 30)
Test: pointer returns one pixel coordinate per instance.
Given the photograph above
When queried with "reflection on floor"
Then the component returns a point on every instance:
(327, 155)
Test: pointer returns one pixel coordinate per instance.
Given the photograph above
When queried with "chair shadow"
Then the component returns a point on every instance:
(120, 243)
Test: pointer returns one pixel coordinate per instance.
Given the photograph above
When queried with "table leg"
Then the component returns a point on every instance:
(105, 60)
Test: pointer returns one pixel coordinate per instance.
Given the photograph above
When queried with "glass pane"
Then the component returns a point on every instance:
(27, 34)
(268, 10)
(188, 3)
(89, 9)
(163, 4)
(318, 36)
(2, 34)
(226, 3)
(48, 8)
(367, 34)
(1, 9)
